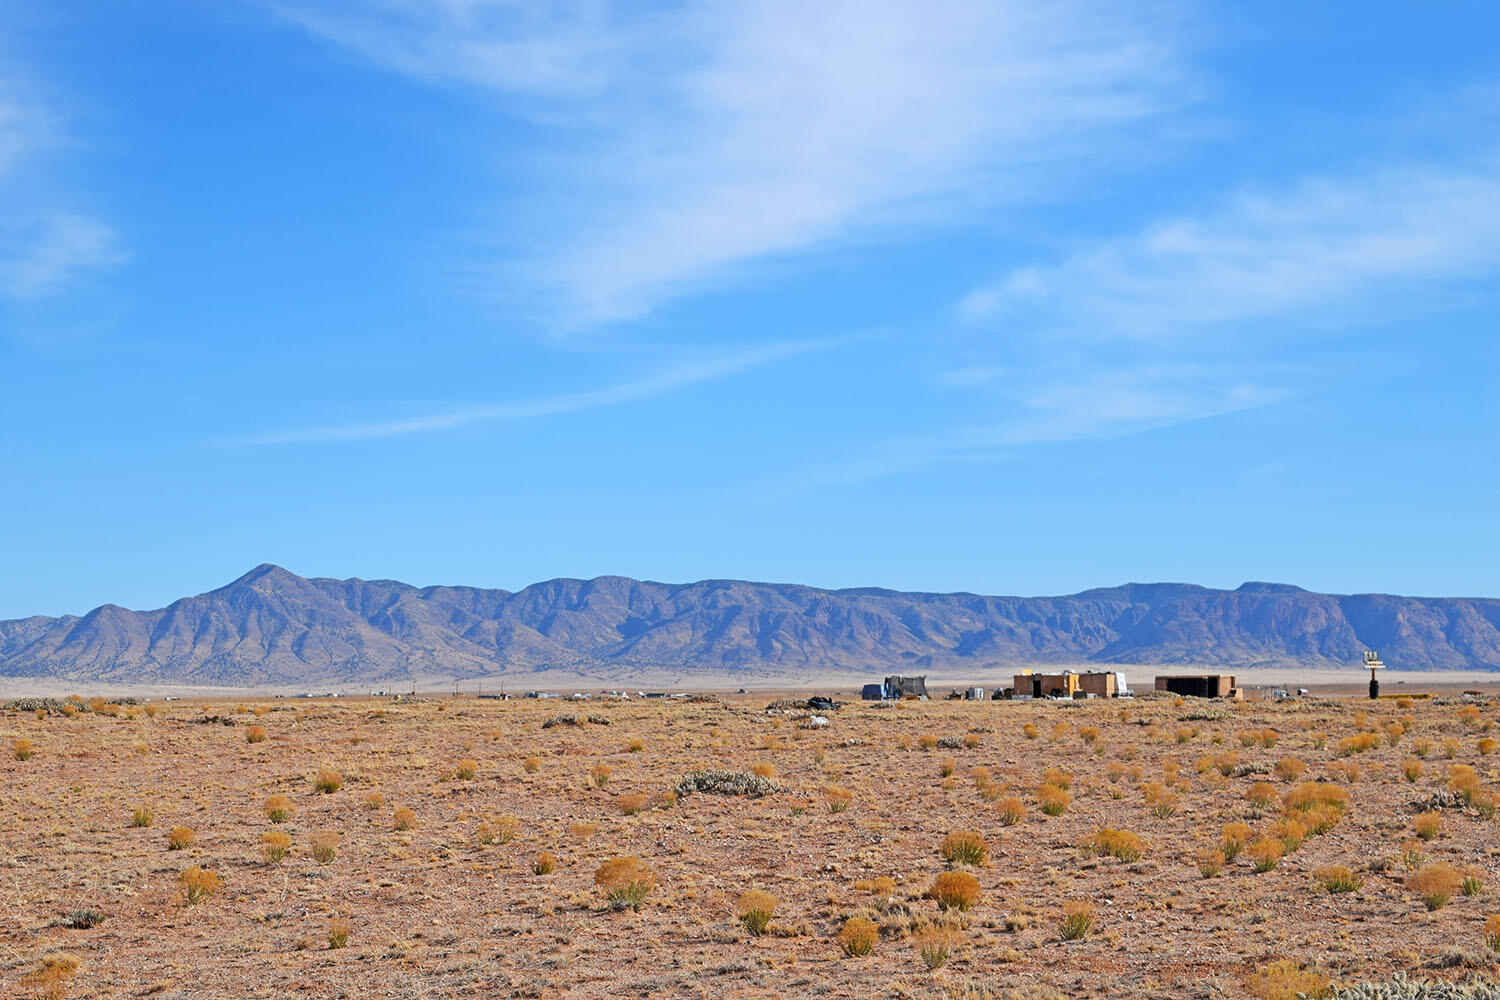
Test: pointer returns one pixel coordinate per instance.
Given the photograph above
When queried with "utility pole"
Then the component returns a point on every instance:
(1372, 664)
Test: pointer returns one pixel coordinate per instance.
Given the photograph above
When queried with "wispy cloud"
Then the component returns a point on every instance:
(698, 139)
(675, 377)
(1311, 252)
(45, 244)
(1077, 403)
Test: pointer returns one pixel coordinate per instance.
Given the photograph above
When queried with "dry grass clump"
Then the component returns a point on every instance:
(1265, 854)
(328, 781)
(1336, 878)
(1058, 777)
(324, 846)
(1463, 781)
(466, 769)
(279, 809)
(375, 802)
(1358, 743)
(600, 774)
(22, 749)
(1285, 979)
(635, 746)
(50, 979)
(531, 765)
(1412, 769)
(1054, 800)
(1077, 921)
(338, 932)
(1427, 825)
(879, 888)
(955, 890)
(626, 882)
(1011, 811)
(403, 819)
(501, 830)
(1311, 794)
(179, 837)
(964, 847)
(837, 799)
(1121, 844)
(199, 883)
(1261, 794)
(754, 909)
(631, 804)
(1289, 769)
(763, 770)
(1435, 884)
(142, 816)
(1210, 861)
(275, 845)
(1163, 802)
(935, 943)
(1492, 932)
(545, 863)
(255, 734)
(1030, 731)
(858, 936)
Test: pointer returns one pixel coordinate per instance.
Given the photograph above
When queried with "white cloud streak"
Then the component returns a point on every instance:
(1309, 253)
(672, 378)
(45, 245)
(707, 137)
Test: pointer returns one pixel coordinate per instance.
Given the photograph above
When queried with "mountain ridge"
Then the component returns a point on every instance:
(271, 626)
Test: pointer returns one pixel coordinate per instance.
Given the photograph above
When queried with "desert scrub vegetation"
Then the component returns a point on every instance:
(631, 803)
(964, 847)
(1077, 921)
(179, 837)
(1435, 884)
(1265, 854)
(1289, 769)
(545, 863)
(1120, 844)
(279, 809)
(199, 883)
(466, 769)
(1427, 825)
(143, 815)
(324, 846)
(600, 775)
(1054, 800)
(1010, 810)
(1492, 932)
(1286, 979)
(726, 783)
(275, 846)
(404, 818)
(857, 936)
(837, 799)
(531, 765)
(626, 881)
(1336, 878)
(255, 734)
(935, 943)
(955, 890)
(338, 932)
(50, 979)
(754, 909)
(328, 780)
(22, 749)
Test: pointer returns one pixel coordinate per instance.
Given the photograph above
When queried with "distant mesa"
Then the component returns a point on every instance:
(272, 627)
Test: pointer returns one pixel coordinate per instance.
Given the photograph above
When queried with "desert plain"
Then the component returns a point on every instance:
(459, 847)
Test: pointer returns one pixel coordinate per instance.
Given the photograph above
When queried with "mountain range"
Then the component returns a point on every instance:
(272, 627)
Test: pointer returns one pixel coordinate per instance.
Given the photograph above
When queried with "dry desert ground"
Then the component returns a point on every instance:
(456, 847)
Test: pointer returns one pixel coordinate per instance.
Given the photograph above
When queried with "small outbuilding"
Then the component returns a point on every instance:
(1199, 685)
(1069, 684)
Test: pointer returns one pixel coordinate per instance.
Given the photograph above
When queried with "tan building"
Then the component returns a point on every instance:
(1067, 684)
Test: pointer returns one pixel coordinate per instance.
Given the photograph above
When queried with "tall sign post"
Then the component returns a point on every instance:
(1372, 664)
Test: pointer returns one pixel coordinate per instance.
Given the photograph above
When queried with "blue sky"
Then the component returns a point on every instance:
(991, 295)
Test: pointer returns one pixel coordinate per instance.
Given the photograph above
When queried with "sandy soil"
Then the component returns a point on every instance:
(433, 912)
